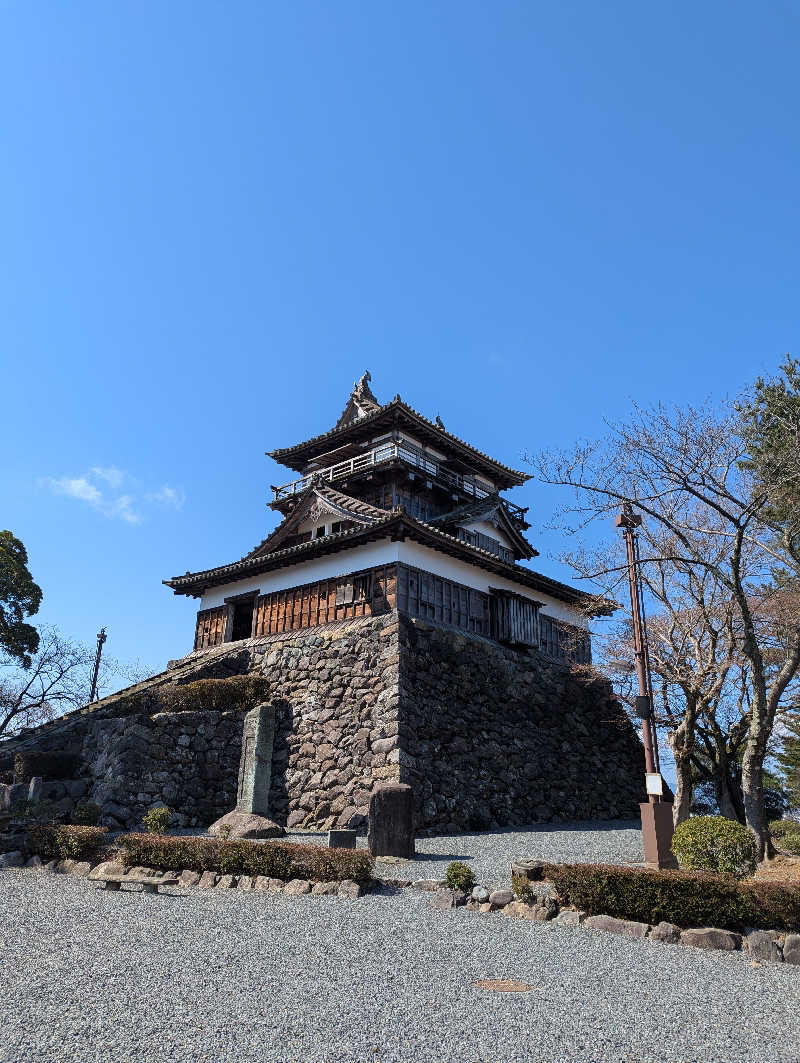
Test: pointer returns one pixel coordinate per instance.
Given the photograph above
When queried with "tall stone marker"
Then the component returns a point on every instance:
(255, 764)
(250, 818)
(391, 821)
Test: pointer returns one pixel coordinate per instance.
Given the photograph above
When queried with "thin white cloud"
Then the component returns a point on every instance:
(168, 496)
(99, 488)
(123, 507)
(76, 487)
(112, 475)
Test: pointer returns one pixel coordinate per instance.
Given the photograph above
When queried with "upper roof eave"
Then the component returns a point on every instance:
(297, 456)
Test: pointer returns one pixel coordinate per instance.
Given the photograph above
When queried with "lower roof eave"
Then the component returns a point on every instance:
(398, 527)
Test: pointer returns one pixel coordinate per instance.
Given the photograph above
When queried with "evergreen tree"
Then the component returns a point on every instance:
(788, 760)
(19, 597)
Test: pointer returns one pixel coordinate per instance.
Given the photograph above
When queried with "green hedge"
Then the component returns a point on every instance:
(685, 898)
(283, 860)
(60, 842)
(237, 692)
(241, 692)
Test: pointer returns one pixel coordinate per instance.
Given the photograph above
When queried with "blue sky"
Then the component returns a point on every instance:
(215, 217)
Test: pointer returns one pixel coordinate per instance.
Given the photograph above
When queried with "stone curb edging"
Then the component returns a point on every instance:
(347, 888)
(764, 946)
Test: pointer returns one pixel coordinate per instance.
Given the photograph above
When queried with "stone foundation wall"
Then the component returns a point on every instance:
(491, 736)
(486, 736)
(336, 702)
(188, 761)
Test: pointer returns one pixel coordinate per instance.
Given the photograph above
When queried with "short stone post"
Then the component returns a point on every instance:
(391, 821)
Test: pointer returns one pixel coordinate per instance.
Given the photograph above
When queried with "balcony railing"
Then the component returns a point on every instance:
(382, 455)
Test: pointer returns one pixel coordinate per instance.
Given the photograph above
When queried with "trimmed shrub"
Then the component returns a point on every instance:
(59, 842)
(241, 692)
(157, 820)
(713, 843)
(86, 814)
(59, 764)
(284, 860)
(685, 898)
(787, 834)
(459, 877)
(34, 812)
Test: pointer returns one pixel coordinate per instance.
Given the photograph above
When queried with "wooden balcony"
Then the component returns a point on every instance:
(385, 454)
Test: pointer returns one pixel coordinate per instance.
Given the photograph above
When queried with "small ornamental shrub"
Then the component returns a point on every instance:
(276, 859)
(225, 831)
(685, 898)
(786, 833)
(523, 889)
(86, 814)
(459, 877)
(60, 842)
(157, 820)
(713, 843)
(59, 764)
(34, 812)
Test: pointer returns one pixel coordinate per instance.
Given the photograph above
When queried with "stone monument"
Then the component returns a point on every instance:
(250, 818)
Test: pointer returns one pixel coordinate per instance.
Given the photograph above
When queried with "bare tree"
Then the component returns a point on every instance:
(57, 680)
(706, 513)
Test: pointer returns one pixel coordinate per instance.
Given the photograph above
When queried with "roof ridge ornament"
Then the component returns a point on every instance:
(361, 401)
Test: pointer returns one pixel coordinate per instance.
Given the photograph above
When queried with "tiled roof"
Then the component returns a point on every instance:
(393, 523)
(396, 404)
(345, 505)
(485, 507)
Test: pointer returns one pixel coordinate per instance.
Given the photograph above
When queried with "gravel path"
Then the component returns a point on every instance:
(224, 976)
(490, 855)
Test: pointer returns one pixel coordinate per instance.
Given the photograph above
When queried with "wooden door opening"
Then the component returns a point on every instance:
(242, 619)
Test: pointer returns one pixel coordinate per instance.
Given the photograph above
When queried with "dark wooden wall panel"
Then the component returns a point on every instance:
(210, 630)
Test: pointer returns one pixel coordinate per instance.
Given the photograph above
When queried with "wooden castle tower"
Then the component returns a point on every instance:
(391, 511)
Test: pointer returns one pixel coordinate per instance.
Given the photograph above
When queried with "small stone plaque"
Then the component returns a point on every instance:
(341, 839)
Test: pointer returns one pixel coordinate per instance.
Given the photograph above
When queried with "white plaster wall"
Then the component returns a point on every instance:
(384, 552)
(379, 553)
(486, 527)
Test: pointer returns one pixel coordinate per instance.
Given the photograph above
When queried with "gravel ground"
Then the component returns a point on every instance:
(490, 855)
(224, 976)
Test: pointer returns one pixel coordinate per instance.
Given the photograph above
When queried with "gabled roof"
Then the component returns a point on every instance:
(325, 500)
(395, 525)
(390, 415)
(488, 509)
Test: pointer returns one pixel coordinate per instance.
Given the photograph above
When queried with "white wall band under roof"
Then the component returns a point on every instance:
(385, 552)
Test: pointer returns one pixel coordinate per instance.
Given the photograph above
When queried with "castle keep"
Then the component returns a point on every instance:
(402, 639)
(391, 511)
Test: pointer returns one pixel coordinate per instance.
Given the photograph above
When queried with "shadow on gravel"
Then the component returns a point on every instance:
(436, 856)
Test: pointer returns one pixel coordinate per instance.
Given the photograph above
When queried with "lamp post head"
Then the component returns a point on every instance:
(627, 518)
